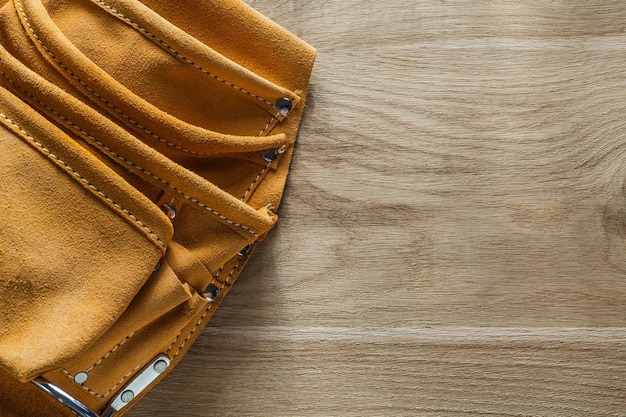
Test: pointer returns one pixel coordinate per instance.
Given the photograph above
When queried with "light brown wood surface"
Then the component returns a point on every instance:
(452, 239)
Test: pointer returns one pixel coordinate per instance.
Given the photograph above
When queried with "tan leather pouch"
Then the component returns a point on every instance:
(144, 152)
(77, 244)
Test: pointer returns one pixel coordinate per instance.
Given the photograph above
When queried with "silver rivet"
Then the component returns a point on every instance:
(127, 396)
(160, 366)
(170, 210)
(284, 106)
(244, 251)
(81, 377)
(270, 154)
(211, 292)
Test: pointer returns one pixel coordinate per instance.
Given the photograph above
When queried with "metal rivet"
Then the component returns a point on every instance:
(157, 267)
(160, 366)
(244, 251)
(81, 377)
(284, 106)
(127, 396)
(211, 292)
(270, 154)
(170, 210)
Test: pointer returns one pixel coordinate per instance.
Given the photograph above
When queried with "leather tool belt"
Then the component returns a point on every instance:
(144, 148)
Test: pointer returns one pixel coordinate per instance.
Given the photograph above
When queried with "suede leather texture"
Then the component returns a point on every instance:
(114, 115)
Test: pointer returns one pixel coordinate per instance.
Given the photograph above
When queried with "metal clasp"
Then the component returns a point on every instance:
(137, 385)
(126, 395)
(64, 398)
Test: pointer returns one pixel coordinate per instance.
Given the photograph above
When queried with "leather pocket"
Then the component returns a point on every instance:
(188, 79)
(151, 75)
(77, 243)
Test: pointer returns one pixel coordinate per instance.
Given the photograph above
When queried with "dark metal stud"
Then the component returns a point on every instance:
(211, 292)
(270, 154)
(170, 210)
(244, 251)
(284, 106)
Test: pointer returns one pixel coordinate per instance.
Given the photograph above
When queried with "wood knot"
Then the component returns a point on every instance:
(615, 216)
(614, 223)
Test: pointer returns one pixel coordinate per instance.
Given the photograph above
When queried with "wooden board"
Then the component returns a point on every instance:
(452, 235)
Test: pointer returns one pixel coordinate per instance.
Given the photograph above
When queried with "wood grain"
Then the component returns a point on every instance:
(452, 235)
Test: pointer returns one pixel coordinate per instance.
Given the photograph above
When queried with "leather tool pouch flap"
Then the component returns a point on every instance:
(76, 243)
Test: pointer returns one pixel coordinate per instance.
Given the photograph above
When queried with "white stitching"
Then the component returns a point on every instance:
(258, 177)
(121, 158)
(232, 271)
(66, 372)
(219, 271)
(180, 348)
(256, 180)
(267, 125)
(113, 387)
(118, 110)
(98, 96)
(82, 179)
(168, 48)
(109, 352)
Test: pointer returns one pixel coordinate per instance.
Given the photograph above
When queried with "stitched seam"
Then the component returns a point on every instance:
(267, 125)
(232, 271)
(195, 328)
(109, 352)
(258, 177)
(83, 179)
(179, 350)
(98, 96)
(219, 271)
(256, 180)
(70, 376)
(113, 387)
(223, 284)
(168, 48)
(126, 161)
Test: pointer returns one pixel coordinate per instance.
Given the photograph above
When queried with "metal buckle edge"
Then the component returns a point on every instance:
(125, 396)
(64, 398)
